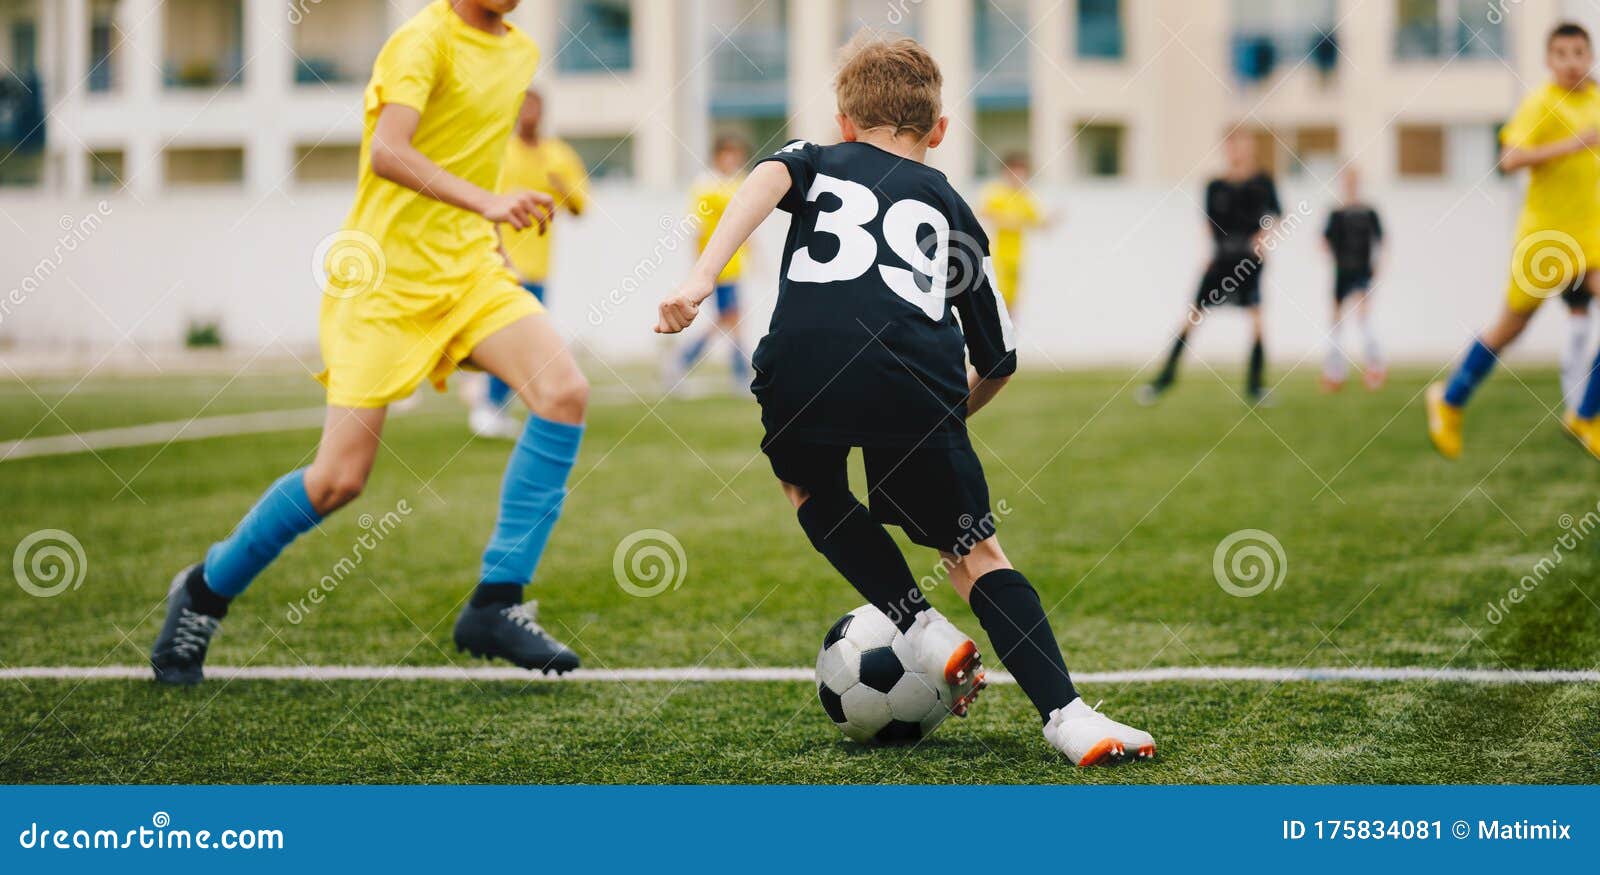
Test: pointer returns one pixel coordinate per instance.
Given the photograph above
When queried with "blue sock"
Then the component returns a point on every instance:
(499, 392)
(1589, 407)
(695, 351)
(283, 513)
(1478, 363)
(741, 365)
(530, 500)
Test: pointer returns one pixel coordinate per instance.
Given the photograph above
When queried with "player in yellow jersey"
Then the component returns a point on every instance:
(418, 287)
(1009, 207)
(533, 162)
(708, 200)
(1556, 133)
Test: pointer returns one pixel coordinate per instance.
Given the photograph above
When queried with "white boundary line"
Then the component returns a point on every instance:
(1196, 674)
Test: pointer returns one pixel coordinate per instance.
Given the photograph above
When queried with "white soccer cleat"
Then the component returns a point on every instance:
(943, 651)
(1089, 738)
(494, 423)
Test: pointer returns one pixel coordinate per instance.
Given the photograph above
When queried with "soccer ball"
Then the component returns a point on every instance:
(869, 684)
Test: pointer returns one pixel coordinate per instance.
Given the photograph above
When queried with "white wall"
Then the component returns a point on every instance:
(1107, 285)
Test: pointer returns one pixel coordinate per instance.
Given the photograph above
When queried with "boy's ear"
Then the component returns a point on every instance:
(847, 128)
(940, 128)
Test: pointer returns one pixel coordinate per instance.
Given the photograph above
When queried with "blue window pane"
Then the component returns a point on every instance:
(596, 35)
(1100, 29)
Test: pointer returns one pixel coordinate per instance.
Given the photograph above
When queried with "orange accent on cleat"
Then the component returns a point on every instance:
(1105, 749)
(964, 659)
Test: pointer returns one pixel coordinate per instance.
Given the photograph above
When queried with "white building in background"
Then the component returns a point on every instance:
(265, 93)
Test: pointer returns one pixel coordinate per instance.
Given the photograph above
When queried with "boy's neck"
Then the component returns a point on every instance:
(908, 146)
(478, 17)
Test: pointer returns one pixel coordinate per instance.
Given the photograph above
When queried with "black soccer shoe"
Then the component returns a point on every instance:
(512, 633)
(180, 652)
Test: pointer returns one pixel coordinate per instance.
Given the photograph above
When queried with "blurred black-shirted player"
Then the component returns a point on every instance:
(886, 295)
(1239, 208)
(1353, 234)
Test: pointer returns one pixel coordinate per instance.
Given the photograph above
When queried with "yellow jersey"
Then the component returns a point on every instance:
(709, 198)
(550, 166)
(1012, 211)
(1564, 193)
(467, 85)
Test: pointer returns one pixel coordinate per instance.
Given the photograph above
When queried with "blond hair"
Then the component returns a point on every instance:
(886, 81)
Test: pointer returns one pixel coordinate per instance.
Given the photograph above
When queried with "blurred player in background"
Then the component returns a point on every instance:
(866, 350)
(1354, 237)
(1009, 207)
(437, 113)
(1239, 207)
(1555, 133)
(533, 162)
(709, 199)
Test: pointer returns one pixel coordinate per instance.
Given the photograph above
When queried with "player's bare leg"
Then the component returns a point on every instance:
(531, 358)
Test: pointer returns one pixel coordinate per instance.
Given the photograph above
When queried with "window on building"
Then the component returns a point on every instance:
(1422, 150)
(606, 157)
(204, 165)
(1442, 29)
(103, 40)
(596, 36)
(107, 167)
(1100, 148)
(1316, 147)
(1001, 132)
(749, 64)
(204, 43)
(325, 163)
(22, 112)
(1100, 33)
(1270, 36)
(336, 41)
(1001, 49)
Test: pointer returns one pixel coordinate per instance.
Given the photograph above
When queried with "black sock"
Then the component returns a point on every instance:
(1169, 372)
(497, 595)
(1258, 363)
(842, 530)
(1009, 610)
(205, 600)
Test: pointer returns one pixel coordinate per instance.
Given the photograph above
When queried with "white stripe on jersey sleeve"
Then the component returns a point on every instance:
(1008, 334)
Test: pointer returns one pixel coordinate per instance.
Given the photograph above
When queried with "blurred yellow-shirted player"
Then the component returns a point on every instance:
(417, 286)
(1555, 133)
(533, 162)
(1011, 210)
(709, 198)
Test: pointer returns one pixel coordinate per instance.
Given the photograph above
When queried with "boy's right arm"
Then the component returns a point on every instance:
(1513, 158)
(395, 158)
(751, 204)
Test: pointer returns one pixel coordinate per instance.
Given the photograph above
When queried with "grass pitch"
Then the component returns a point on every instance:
(1394, 558)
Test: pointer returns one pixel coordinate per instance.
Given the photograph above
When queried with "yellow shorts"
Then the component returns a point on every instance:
(377, 347)
(1008, 276)
(1546, 262)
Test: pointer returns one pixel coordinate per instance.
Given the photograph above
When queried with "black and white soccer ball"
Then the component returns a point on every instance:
(869, 684)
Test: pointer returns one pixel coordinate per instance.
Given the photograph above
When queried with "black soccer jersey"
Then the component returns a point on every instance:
(886, 289)
(1238, 210)
(1353, 233)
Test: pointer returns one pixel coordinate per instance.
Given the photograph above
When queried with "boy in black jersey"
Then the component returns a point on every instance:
(1240, 207)
(1353, 236)
(865, 350)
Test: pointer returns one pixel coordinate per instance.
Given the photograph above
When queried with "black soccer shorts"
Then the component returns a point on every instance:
(1230, 279)
(938, 495)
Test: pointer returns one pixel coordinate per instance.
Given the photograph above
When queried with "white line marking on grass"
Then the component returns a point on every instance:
(1196, 674)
